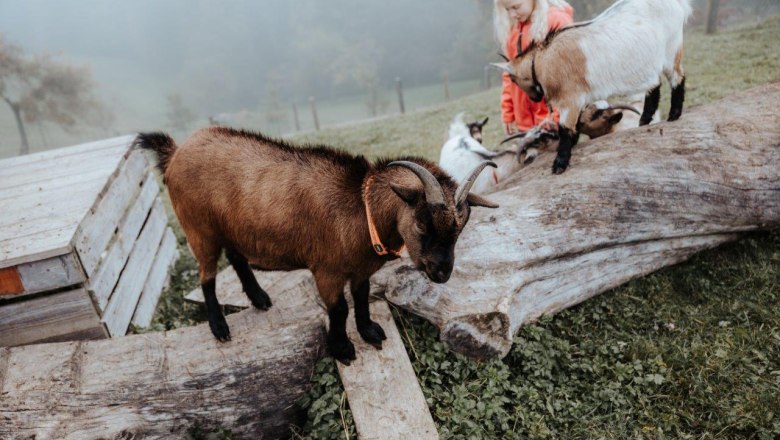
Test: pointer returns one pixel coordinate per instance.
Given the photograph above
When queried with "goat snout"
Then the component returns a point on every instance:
(439, 272)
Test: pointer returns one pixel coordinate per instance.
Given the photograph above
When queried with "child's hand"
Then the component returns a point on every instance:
(510, 127)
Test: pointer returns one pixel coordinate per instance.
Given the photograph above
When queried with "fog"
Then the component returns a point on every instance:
(254, 60)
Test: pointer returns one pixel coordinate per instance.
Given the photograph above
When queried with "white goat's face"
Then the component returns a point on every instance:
(520, 71)
(475, 129)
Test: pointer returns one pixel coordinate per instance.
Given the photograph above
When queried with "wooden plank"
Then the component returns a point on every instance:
(42, 188)
(106, 160)
(58, 316)
(27, 211)
(278, 284)
(385, 398)
(102, 282)
(158, 278)
(51, 273)
(49, 155)
(40, 244)
(97, 229)
(123, 301)
(10, 282)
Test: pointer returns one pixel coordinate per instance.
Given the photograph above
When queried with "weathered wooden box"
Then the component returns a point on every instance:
(85, 245)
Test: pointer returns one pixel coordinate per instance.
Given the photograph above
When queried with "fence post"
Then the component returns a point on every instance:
(400, 90)
(295, 114)
(486, 77)
(446, 87)
(712, 15)
(313, 104)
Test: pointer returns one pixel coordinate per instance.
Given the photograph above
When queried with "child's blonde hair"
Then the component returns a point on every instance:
(502, 24)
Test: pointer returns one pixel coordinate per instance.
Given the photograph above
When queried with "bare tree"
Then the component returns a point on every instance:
(40, 88)
(179, 115)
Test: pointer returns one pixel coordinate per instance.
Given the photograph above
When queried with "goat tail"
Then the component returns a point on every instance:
(160, 143)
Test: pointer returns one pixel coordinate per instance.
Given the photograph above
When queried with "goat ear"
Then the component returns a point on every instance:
(408, 195)
(484, 122)
(475, 200)
(614, 119)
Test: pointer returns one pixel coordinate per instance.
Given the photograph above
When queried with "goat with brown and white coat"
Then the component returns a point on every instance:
(274, 206)
(622, 51)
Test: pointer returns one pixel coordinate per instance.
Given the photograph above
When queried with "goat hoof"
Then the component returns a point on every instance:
(373, 334)
(342, 350)
(260, 300)
(220, 329)
(559, 166)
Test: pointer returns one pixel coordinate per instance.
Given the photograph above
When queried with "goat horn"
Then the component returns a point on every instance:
(433, 192)
(513, 136)
(624, 107)
(465, 187)
(503, 56)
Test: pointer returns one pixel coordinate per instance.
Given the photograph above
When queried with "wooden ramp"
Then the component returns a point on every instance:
(82, 226)
(384, 395)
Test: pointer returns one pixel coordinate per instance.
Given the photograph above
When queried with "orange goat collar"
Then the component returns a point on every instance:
(376, 243)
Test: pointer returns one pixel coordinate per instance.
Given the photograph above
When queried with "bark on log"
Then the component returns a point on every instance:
(159, 385)
(629, 204)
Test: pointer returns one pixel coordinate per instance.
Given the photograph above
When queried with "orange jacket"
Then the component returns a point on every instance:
(515, 104)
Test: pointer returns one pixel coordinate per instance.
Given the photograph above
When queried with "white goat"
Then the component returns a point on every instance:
(623, 51)
(461, 151)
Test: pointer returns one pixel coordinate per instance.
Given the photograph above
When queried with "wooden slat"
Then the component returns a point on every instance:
(39, 244)
(51, 273)
(106, 159)
(50, 155)
(385, 398)
(98, 227)
(39, 221)
(10, 282)
(124, 299)
(53, 317)
(158, 277)
(102, 282)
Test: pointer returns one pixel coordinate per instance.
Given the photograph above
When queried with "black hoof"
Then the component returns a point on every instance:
(675, 115)
(559, 165)
(219, 328)
(342, 350)
(373, 334)
(260, 300)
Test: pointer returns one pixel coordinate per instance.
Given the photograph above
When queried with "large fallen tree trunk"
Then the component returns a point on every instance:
(631, 203)
(159, 385)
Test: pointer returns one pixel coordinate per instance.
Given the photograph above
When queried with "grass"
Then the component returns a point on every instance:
(691, 351)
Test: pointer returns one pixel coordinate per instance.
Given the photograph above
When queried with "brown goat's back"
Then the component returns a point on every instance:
(265, 198)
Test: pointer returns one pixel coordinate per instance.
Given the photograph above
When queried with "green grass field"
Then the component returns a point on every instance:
(690, 352)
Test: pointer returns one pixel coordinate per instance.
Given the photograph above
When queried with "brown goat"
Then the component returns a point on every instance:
(273, 206)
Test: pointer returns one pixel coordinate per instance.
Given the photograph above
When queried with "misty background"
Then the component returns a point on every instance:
(171, 65)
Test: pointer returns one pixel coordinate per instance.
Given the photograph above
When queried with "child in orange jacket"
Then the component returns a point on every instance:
(529, 20)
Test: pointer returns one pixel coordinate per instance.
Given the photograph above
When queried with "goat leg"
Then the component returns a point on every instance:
(652, 99)
(331, 290)
(567, 139)
(369, 330)
(217, 323)
(254, 292)
(678, 96)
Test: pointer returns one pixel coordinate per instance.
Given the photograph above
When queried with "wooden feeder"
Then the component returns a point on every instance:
(85, 245)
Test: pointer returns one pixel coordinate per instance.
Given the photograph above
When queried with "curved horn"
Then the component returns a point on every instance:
(624, 107)
(465, 187)
(433, 192)
(513, 136)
